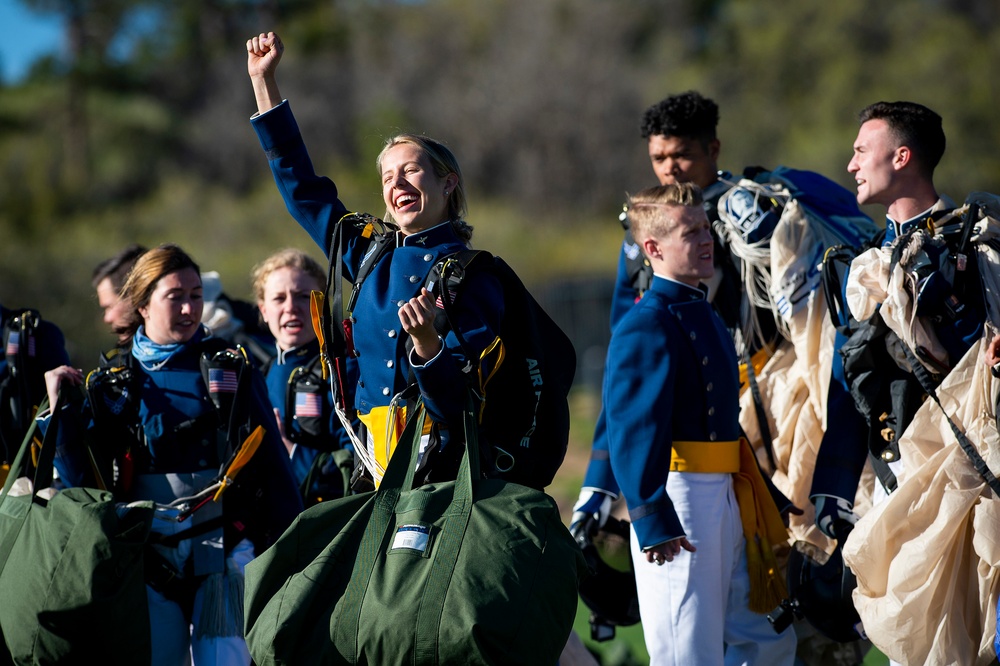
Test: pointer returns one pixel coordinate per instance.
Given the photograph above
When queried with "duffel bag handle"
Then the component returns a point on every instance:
(449, 542)
(43, 474)
(43, 470)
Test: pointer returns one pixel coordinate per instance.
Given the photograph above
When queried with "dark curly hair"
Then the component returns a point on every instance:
(912, 125)
(687, 115)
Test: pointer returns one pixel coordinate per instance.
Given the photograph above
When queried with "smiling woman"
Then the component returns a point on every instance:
(395, 336)
(166, 413)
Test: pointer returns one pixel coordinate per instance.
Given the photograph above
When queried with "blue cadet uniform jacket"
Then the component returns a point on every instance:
(180, 435)
(845, 446)
(379, 338)
(671, 375)
(276, 377)
(599, 470)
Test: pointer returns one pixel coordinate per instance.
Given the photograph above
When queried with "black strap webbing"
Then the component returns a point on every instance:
(927, 383)
(758, 406)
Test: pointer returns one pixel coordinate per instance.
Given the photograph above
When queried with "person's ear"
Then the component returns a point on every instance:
(901, 157)
(652, 248)
(450, 183)
(713, 150)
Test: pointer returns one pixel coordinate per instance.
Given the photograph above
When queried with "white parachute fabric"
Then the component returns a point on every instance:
(926, 557)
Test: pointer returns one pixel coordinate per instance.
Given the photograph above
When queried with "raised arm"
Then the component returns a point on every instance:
(263, 54)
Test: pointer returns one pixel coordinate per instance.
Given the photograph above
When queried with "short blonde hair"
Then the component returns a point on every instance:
(287, 258)
(646, 209)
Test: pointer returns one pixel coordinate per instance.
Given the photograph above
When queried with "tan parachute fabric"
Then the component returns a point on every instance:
(869, 284)
(794, 382)
(926, 558)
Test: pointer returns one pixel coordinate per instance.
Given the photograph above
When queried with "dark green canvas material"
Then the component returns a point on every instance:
(70, 572)
(496, 582)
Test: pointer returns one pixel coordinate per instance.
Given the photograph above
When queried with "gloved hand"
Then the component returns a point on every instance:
(830, 510)
(590, 512)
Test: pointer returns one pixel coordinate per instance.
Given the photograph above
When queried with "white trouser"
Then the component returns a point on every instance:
(695, 610)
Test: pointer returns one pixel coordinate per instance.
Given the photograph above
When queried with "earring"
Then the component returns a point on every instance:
(446, 192)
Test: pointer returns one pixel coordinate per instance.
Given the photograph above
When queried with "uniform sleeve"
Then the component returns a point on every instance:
(311, 199)
(599, 473)
(71, 461)
(623, 298)
(639, 389)
(844, 447)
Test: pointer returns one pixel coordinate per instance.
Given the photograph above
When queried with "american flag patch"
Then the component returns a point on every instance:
(451, 299)
(308, 404)
(221, 381)
(13, 343)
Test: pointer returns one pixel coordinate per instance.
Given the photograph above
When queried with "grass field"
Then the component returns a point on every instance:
(627, 647)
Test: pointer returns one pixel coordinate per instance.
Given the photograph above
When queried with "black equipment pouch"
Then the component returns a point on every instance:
(307, 416)
(223, 373)
(521, 384)
(113, 396)
(20, 343)
(227, 378)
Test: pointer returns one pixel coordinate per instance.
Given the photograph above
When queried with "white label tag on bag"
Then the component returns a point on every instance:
(412, 537)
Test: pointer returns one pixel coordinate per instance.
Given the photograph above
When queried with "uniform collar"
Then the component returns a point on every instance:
(894, 229)
(678, 291)
(711, 194)
(436, 235)
(286, 355)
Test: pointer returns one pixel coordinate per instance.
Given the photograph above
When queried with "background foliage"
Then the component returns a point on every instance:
(139, 132)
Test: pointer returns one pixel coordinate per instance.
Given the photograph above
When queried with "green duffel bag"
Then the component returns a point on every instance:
(71, 585)
(474, 571)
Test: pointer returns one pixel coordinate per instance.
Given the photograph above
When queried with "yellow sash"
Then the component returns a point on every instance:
(762, 523)
(384, 425)
(705, 457)
(758, 361)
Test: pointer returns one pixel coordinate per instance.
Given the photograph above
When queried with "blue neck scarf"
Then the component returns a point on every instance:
(154, 356)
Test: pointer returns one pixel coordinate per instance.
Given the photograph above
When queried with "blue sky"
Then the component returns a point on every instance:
(28, 36)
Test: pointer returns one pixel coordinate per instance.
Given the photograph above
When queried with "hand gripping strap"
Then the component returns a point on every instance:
(42, 477)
